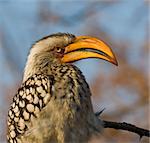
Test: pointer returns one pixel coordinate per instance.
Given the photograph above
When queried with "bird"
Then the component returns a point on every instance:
(53, 103)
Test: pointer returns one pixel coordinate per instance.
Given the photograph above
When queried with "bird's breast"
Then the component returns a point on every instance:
(69, 115)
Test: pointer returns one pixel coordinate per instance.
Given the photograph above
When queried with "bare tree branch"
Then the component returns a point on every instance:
(127, 127)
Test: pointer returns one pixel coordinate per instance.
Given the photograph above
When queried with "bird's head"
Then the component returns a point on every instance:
(67, 48)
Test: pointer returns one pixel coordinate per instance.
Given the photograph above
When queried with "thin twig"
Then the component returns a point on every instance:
(128, 127)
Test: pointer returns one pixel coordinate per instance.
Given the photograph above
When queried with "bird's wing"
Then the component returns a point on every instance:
(32, 96)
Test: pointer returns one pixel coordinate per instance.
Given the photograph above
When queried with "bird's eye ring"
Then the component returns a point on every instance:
(59, 50)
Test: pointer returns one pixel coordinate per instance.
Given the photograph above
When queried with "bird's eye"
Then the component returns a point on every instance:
(60, 50)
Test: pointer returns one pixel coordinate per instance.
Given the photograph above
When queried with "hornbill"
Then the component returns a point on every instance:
(53, 104)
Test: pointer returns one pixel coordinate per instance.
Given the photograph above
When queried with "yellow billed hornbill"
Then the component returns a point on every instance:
(53, 104)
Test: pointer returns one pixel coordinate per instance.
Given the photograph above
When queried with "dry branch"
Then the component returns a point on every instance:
(127, 127)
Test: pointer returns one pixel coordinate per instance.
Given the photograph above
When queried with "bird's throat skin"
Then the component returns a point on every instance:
(69, 115)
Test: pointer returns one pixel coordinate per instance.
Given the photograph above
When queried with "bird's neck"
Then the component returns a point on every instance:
(36, 64)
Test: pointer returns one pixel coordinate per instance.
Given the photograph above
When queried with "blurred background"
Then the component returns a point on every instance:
(123, 24)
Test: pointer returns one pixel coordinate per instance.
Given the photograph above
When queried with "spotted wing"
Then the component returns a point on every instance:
(32, 96)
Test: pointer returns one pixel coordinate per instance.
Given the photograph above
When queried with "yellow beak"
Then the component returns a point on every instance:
(88, 47)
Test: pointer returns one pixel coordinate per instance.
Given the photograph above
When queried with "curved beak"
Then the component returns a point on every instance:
(88, 47)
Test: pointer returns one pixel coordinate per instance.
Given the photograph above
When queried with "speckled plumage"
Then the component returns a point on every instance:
(53, 104)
